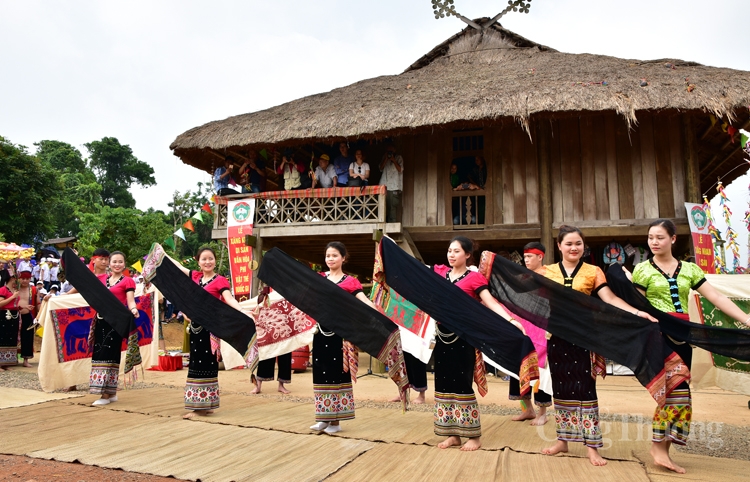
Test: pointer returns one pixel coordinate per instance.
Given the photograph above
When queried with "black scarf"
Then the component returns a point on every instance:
(223, 321)
(97, 295)
(469, 319)
(589, 323)
(731, 342)
(337, 310)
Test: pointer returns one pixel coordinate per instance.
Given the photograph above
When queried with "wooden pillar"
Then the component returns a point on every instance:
(690, 157)
(543, 136)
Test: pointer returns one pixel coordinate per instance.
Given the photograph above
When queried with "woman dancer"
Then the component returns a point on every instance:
(10, 300)
(105, 361)
(334, 397)
(455, 359)
(666, 282)
(202, 386)
(573, 368)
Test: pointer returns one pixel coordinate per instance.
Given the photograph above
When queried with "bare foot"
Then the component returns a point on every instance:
(201, 413)
(450, 442)
(472, 444)
(395, 399)
(660, 453)
(560, 446)
(188, 415)
(3, 369)
(26, 363)
(594, 457)
(255, 390)
(540, 419)
(528, 414)
(283, 389)
(419, 400)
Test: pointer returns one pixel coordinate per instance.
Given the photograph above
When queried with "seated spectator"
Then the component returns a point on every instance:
(222, 175)
(325, 174)
(359, 170)
(253, 174)
(291, 172)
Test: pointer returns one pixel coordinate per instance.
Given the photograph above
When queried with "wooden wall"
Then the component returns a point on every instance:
(599, 171)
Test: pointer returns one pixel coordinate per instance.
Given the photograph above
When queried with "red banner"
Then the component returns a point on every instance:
(240, 224)
(702, 241)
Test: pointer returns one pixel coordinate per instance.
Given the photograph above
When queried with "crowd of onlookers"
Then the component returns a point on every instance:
(346, 170)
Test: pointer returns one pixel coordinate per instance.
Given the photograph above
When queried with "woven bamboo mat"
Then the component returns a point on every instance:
(20, 397)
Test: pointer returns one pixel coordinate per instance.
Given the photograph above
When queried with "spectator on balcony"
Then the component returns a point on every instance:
(359, 170)
(392, 177)
(342, 163)
(325, 174)
(478, 174)
(253, 174)
(291, 171)
(222, 175)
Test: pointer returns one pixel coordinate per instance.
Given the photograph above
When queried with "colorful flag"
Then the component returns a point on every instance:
(198, 216)
(189, 225)
(180, 234)
(206, 207)
(170, 243)
(138, 266)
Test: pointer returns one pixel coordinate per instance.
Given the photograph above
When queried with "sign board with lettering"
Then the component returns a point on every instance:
(702, 240)
(240, 215)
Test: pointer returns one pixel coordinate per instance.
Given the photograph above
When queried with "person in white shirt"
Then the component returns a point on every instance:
(44, 273)
(54, 270)
(392, 177)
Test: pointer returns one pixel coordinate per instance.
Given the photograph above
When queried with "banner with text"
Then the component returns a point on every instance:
(702, 240)
(240, 215)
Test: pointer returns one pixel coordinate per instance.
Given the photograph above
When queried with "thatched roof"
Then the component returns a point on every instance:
(478, 76)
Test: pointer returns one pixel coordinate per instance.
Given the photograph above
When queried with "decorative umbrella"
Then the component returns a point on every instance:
(12, 251)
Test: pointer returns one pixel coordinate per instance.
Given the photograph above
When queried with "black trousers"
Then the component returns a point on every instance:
(265, 368)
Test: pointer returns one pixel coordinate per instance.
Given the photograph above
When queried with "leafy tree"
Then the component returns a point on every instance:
(122, 229)
(80, 191)
(28, 190)
(184, 206)
(117, 169)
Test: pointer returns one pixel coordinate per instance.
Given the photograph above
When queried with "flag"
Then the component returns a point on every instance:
(180, 234)
(198, 216)
(206, 207)
(188, 225)
(138, 266)
(169, 242)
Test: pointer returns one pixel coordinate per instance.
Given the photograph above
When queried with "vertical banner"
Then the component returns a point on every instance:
(240, 215)
(702, 240)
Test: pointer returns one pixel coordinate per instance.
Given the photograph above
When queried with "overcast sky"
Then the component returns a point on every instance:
(146, 71)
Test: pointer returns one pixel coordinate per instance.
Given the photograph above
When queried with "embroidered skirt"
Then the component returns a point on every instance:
(265, 369)
(202, 386)
(576, 403)
(9, 338)
(672, 421)
(456, 407)
(105, 361)
(334, 397)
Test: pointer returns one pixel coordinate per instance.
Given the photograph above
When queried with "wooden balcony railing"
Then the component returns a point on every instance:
(468, 209)
(345, 205)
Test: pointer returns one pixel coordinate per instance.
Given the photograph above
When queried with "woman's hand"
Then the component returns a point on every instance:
(643, 314)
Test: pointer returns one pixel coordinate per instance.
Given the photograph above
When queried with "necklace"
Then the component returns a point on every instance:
(445, 336)
(192, 329)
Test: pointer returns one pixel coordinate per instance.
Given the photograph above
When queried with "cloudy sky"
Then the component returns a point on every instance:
(146, 71)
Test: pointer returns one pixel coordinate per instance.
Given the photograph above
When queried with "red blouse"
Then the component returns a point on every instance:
(348, 283)
(121, 288)
(215, 287)
(5, 293)
(472, 282)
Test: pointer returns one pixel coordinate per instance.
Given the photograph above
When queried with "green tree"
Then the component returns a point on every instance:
(117, 169)
(28, 189)
(122, 229)
(80, 192)
(184, 206)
